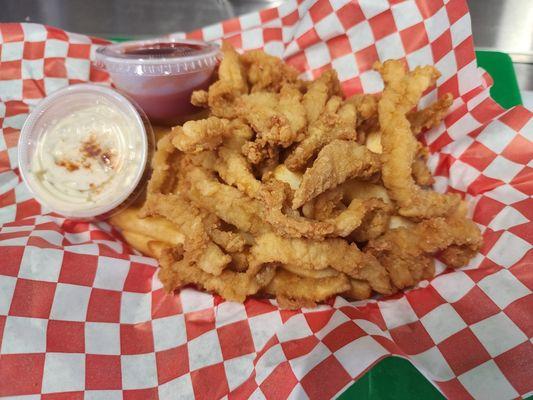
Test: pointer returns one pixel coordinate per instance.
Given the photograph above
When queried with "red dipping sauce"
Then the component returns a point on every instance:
(161, 74)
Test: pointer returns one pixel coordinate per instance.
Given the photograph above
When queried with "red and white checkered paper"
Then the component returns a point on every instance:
(82, 316)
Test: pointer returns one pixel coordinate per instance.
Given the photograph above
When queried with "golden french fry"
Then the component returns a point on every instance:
(139, 242)
(156, 227)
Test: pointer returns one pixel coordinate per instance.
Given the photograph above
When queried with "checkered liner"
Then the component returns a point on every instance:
(82, 316)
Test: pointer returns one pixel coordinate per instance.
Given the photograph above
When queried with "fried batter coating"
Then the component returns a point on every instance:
(231, 285)
(431, 116)
(319, 92)
(402, 92)
(200, 135)
(267, 73)
(318, 255)
(337, 121)
(275, 191)
(338, 161)
(406, 251)
(293, 291)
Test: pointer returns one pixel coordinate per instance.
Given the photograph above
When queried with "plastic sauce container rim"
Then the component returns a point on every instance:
(112, 59)
(24, 159)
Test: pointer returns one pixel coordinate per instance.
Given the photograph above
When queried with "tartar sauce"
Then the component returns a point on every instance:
(85, 158)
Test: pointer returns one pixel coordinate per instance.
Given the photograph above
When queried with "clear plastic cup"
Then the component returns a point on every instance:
(131, 171)
(161, 74)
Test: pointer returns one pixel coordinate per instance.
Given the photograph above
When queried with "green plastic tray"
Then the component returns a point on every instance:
(395, 378)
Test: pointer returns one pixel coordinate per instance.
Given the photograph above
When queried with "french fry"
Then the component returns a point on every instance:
(156, 227)
(139, 242)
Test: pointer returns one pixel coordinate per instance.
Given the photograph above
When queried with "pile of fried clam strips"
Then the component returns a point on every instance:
(288, 190)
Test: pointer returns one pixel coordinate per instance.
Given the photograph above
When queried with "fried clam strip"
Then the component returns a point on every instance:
(337, 161)
(266, 72)
(421, 173)
(176, 272)
(226, 202)
(285, 221)
(402, 92)
(430, 116)
(336, 121)
(200, 135)
(318, 255)
(319, 92)
(165, 165)
(230, 85)
(189, 220)
(235, 170)
(406, 251)
(293, 291)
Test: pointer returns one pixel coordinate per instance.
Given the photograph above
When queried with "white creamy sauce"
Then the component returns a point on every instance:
(86, 158)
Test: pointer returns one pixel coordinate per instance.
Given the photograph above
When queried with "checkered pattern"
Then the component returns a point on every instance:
(83, 317)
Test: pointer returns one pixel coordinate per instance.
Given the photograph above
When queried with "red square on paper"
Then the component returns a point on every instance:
(104, 306)
(463, 351)
(102, 372)
(33, 88)
(299, 347)
(280, 383)
(383, 24)
(308, 39)
(79, 50)
(456, 9)
(32, 298)
(33, 50)
(464, 52)
(412, 338)
(235, 339)
(164, 304)
(10, 70)
(290, 19)
(172, 363)
(11, 136)
(441, 46)
(268, 14)
(520, 311)
(78, 269)
(11, 258)
(28, 208)
(329, 370)
(65, 337)
(136, 338)
(366, 58)
(453, 389)
(350, 15)
(256, 307)
(139, 278)
(199, 322)
(231, 25)
(478, 156)
(54, 67)
(414, 37)
(424, 300)
(483, 184)
(516, 118)
(450, 86)
(141, 394)
(272, 34)
(486, 209)
(210, 382)
(320, 10)
(516, 366)
(12, 32)
(475, 306)
(339, 46)
(21, 374)
(515, 150)
(342, 335)
(429, 8)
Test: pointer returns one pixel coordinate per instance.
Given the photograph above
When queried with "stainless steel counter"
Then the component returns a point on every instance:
(505, 25)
